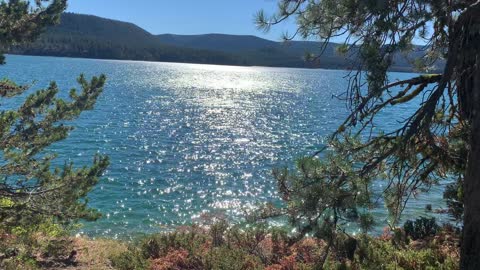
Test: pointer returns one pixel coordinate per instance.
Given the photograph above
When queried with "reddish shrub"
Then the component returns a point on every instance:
(175, 259)
(307, 250)
(274, 267)
(289, 263)
(386, 235)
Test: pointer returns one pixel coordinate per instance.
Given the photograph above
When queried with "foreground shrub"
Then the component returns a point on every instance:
(253, 248)
(378, 254)
(228, 258)
(420, 228)
(37, 245)
(261, 248)
(131, 259)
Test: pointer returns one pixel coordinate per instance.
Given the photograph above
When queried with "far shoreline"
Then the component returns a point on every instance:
(399, 69)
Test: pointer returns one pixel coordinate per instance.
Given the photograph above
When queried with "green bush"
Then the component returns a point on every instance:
(272, 249)
(379, 254)
(225, 258)
(421, 228)
(34, 244)
(158, 245)
(131, 259)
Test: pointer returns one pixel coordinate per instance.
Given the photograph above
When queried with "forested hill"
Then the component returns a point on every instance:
(94, 37)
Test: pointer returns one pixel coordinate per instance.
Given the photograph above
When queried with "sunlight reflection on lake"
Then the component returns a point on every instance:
(187, 141)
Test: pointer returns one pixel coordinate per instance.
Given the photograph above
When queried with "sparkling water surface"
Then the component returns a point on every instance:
(188, 141)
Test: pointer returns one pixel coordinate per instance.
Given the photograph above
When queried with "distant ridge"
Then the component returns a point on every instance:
(221, 42)
(90, 36)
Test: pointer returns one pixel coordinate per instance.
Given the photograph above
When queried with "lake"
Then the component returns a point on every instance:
(189, 141)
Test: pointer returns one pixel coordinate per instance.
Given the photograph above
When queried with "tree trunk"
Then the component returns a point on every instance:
(470, 250)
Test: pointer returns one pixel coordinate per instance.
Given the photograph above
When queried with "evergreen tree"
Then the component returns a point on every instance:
(31, 191)
(440, 138)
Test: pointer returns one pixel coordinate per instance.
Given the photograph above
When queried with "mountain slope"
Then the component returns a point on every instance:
(258, 51)
(217, 42)
(266, 52)
(94, 37)
(96, 27)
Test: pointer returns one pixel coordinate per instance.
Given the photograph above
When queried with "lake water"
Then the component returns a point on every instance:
(188, 141)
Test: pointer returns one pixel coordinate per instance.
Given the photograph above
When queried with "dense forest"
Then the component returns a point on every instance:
(93, 37)
(89, 36)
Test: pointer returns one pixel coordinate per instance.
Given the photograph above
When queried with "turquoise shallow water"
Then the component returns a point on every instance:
(188, 141)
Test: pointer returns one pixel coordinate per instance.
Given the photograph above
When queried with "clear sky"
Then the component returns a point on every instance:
(186, 16)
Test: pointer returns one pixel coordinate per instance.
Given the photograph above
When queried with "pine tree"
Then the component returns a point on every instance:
(31, 189)
(440, 138)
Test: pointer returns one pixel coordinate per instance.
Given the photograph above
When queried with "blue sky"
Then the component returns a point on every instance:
(187, 16)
